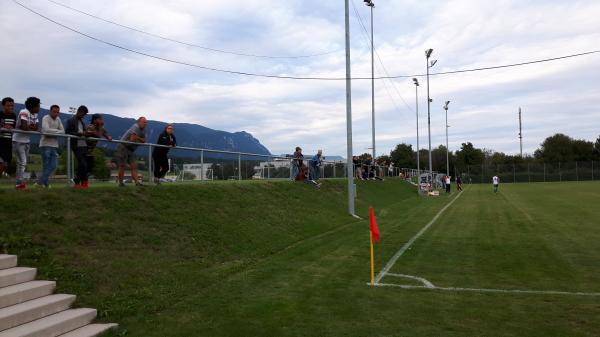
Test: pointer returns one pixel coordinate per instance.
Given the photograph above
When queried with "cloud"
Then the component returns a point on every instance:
(59, 66)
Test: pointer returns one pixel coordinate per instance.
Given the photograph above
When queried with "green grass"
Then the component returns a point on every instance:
(283, 259)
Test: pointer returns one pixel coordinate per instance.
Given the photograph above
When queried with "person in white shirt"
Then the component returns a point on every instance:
(496, 181)
(26, 121)
(51, 124)
(448, 182)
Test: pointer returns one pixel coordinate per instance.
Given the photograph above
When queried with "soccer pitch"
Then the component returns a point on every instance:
(539, 239)
(282, 259)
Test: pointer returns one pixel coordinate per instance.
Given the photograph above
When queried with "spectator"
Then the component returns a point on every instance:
(76, 127)
(391, 170)
(94, 130)
(125, 153)
(297, 164)
(448, 180)
(51, 124)
(8, 121)
(459, 183)
(357, 167)
(26, 121)
(496, 182)
(315, 164)
(159, 155)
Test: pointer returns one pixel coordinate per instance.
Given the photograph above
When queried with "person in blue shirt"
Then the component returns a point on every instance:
(315, 165)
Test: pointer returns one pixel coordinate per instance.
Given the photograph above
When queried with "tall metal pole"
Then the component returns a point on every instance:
(349, 164)
(447, 150)
(417, 106)
(372, 84)
(429, 126)
(521, 132)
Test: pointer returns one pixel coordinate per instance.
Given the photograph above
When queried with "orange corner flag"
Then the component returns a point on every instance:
(374, 229)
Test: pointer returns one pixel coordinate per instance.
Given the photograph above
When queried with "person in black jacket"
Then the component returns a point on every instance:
(76, 127)
(159, 155)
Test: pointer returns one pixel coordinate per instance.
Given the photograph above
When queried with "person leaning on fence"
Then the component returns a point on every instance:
(8, 121)
(51, 125)
(448, 181)
(125, 153)
(315, 164)
(94, 130)
(297, 164)
(76, 127)
(159, 154)
(26, 121)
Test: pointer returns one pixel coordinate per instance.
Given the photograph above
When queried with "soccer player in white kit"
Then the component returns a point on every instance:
(495, 180)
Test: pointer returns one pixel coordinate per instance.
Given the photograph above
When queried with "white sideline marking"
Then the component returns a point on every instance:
(426, 283)
(402, 250)
(484, 290)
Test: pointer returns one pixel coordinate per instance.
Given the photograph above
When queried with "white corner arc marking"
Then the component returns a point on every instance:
(402, 250)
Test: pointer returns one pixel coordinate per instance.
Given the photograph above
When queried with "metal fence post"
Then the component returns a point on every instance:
(528, 173)
(482, 168)
(239, 166)
(68, 162)
(544, 172)
(514, 174)
(149, 163)
(202, 165)
(592, 170)
(334, 165)
(559, 173)
(577, 171)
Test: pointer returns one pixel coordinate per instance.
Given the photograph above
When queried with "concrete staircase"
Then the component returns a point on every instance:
(28, 307)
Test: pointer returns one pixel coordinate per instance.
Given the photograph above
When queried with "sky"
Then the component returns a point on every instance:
(40, 58)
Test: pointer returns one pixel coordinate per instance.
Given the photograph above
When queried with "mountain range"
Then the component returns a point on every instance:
(188, 135)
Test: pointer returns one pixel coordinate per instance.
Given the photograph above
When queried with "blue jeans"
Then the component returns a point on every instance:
(49, 163)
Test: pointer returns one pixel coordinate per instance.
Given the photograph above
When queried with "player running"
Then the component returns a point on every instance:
(496, 181)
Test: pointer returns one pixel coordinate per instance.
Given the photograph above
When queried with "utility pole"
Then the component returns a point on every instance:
(521, 131)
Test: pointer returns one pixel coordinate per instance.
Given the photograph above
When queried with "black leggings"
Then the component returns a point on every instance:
(82, 164)
(161, 165)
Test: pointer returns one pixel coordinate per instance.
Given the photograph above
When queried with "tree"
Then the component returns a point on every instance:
(562, 148)
(403, 156)
(597, 149)
(469, 155)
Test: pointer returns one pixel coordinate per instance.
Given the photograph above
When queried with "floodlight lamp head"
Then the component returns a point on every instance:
(428, 52)
(416, 81)
(369, 3)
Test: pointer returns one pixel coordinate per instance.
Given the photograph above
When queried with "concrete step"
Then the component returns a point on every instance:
(7, 261)
(23, 292)
(17, 275)
(30, 311)
(53, 325)
(91, 330)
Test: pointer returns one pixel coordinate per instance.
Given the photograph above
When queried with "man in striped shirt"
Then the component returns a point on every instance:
(7, 122)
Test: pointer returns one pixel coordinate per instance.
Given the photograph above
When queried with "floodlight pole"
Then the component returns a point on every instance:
(447, 149)
(372, 5)
(428, 55)
(416, 81)
(349, 164)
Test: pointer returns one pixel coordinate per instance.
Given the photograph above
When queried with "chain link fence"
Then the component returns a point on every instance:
(531, 172)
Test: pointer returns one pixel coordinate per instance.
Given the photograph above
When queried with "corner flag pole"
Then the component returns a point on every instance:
(372, 261)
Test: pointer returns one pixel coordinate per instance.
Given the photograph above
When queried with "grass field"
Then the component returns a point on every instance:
(283, 259)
